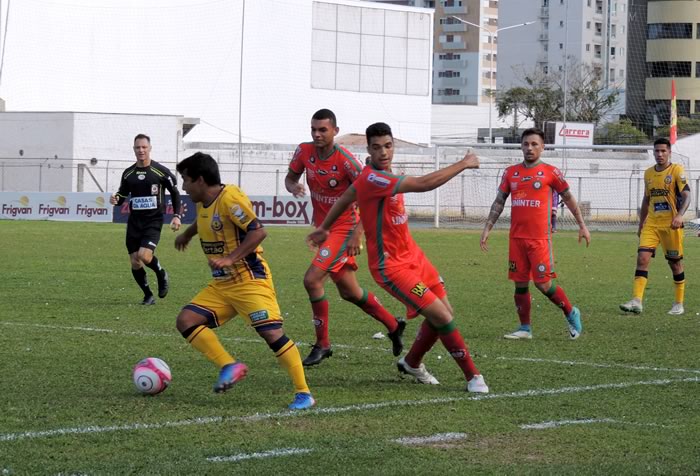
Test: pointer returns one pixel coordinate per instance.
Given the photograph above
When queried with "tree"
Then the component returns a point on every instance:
(622, 132)
(541, 96)
(686, 126)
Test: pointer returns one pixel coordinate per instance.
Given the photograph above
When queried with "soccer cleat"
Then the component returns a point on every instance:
(302, 401)
(477, 385)
(574, 322)
(395, 337)
(420, 374)
(230, 374)
(316, 355)
(521, 333)
(163, 284)
(633, 305)
(148, 300)
(677, 309)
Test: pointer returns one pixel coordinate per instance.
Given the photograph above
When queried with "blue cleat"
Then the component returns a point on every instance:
(574, 321)
(230, 374)
(302, 401)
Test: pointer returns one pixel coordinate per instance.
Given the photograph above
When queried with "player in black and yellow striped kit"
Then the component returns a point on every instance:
(230, 235)
(666, 199)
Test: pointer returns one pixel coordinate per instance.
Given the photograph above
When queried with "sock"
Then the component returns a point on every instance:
(205, 341)
(557, 295)
(452, 339)
(523, 304)
(426, 338)
(155, 265)
(142, 280)
(370, 304)
(640, 283)
(679, 283)
(289, 359)
(320, 309)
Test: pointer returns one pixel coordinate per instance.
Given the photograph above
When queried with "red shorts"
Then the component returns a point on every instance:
(417, 285)
(332, 256)
(530, 260)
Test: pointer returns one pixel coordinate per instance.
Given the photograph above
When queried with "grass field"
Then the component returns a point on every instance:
(622, 399)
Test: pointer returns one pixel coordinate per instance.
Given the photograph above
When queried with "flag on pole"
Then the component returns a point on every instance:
(673, 130)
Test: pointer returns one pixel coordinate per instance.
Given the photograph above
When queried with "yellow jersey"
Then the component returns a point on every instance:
(663, 189)
(222, 226)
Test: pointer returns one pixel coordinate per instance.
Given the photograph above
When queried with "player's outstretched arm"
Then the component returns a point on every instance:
(496, 209)
(433, 180)
(572, 205)
(184, 238)
(293, 185)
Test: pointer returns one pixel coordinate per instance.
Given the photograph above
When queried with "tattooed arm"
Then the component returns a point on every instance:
(496, 210)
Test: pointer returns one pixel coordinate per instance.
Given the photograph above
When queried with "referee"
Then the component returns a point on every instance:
(144, 185)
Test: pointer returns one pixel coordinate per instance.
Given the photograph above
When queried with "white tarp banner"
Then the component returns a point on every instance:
(55, 206)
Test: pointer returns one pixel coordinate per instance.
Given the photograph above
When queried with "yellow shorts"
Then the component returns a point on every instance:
(255, 301)
(671, 241)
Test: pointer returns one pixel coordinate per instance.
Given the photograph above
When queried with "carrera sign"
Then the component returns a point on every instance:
(569, 133)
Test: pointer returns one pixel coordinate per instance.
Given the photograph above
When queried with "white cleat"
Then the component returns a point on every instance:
(519, 334)
(477, 385)
(420, 374)
(633, 305)
(677, 309)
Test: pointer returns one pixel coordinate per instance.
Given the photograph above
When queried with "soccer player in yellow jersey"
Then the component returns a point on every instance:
(230, 235)
(666, 198)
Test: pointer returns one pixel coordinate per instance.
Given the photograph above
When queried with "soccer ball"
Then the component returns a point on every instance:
(151, 376)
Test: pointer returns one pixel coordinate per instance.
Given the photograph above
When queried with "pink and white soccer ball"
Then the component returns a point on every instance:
(151, 376)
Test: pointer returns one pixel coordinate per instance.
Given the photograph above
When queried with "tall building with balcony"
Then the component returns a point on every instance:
(566, 32)
(465, 52)
(667, 48)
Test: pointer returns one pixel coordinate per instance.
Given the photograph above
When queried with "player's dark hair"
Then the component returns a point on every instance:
(322, 114)
(378, 129)
(142, 136)
(200, 165)
(663, 141)
(532, 131)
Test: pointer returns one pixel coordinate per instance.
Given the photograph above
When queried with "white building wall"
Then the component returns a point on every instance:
(185, 59)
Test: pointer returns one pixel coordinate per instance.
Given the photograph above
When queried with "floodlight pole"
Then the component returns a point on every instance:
(492, 33)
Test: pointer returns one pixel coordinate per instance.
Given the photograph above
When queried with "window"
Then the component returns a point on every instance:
(588, 25)
(561, 68)
(561, 24)
(588, 3)
(449, 38)
(597, 50)
(588, 47)
(546, 46)
(697, 69)
(697, 107)
(613, 31)
(668, 69)
(612, 74)
(622, 74)
(448, 74)
(599, 29)
(661, 31)
(697, 31)
(612, 51)
(545, 69)
(561, 46)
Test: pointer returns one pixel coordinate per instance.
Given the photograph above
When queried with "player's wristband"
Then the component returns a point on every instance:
(177, 215)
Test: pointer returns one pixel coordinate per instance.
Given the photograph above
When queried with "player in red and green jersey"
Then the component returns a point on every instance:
(530, 258)
(397, 264)
(330, 170)
(666, 199)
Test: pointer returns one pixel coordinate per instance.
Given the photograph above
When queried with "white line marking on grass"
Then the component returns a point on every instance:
(603, 366)
(173, 334)
(437, 438)
(554, 424)
(264, 454)
(334, 410)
